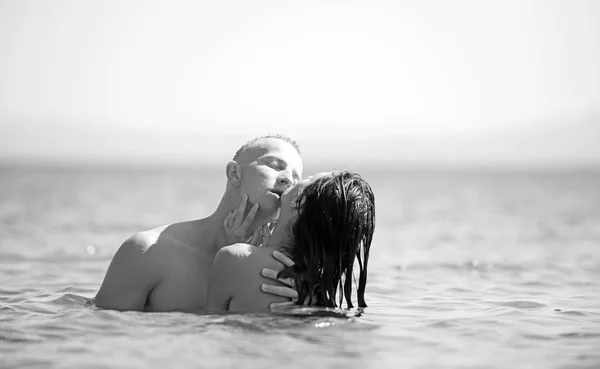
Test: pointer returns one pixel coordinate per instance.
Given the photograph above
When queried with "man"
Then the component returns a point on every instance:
(167, 268)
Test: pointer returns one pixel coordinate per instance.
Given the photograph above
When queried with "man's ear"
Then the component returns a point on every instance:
(233, 170)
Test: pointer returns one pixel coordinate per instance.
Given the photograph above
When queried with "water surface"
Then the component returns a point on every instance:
(467, 271)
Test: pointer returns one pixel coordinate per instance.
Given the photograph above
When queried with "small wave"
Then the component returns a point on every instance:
(573, 312)
(311, 311)
(6, 309)
(282, 320)
(51, 257)
(15, 292)
(580, 335)
(72, 299)
(537, 283)
(441, 324)
(521, 304)
(15, 337)
(539, 337)
(9, 258)
(470, 265)
(73, 290)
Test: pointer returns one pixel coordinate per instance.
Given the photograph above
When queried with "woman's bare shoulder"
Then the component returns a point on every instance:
(241, 250)
(246, 280)
(250, 256)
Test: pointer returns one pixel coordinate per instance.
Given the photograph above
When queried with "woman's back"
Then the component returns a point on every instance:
(235, 280)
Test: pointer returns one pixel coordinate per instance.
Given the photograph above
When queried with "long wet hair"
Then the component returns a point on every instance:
(334, 229)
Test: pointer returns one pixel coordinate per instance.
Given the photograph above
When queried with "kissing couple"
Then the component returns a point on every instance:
(273, 240)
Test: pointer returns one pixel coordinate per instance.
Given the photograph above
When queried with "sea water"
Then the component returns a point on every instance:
(466, 271)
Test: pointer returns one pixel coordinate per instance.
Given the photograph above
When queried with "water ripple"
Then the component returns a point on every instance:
(476, 271)
(521, 304)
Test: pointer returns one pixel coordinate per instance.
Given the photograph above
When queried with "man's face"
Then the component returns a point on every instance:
(289, 198)
(267, 171)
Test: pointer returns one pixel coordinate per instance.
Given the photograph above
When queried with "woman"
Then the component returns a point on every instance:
(325, 225)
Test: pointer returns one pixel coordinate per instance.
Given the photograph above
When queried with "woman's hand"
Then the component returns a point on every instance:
(236, 226)
(284, 291)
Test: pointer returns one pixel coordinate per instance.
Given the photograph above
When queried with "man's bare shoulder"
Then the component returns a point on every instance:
(131, 274)
(165, 235)
(144, 261)
(167, 246)
(136, 249)
(140, 242)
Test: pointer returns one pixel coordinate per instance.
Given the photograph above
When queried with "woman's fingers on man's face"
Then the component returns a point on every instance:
(228, 225)
(256, 238)
(227, 220)
(240, 211)
(249, 218)
(239, 224)
(266, 234)
(236, 225)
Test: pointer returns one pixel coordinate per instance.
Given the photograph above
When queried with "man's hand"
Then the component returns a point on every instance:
(289, 291)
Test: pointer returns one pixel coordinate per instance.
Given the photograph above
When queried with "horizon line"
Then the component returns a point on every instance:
(391, 166)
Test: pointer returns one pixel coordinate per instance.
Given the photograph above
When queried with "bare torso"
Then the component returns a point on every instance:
(184, 278)
(164, 269)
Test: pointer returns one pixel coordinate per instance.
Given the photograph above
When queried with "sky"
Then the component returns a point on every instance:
(496, 83)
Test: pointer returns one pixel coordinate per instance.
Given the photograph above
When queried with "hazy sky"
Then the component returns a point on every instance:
(352, 81)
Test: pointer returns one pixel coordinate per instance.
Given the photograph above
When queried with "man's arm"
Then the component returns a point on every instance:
(130, 278)
(278, 290)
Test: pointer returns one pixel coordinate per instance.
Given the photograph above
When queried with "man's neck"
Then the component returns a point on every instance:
(214, 223)
(213, 233)
(281, 237)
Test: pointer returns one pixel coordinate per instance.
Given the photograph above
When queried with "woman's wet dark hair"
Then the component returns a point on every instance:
(334, 229)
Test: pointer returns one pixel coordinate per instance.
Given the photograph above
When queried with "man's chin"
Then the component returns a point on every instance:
(272, 216)
(270, 207)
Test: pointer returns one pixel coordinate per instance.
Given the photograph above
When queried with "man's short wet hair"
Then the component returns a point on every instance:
(254, 143)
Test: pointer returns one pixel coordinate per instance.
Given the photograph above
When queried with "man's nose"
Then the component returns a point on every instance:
(285, 181)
